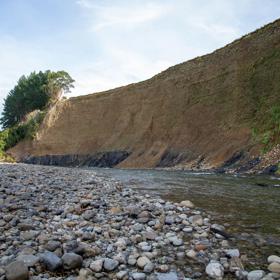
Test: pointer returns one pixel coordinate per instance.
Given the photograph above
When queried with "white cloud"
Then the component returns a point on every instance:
(123, 15)
(127, 16)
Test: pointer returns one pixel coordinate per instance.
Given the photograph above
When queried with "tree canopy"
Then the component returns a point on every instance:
(33, 92)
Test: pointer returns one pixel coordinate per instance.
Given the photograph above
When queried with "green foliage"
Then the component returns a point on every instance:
(58, 81)
(33, 92)
(27, 130)
(3, 138)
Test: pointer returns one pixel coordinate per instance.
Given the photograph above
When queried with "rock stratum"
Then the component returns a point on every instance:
(198, 114)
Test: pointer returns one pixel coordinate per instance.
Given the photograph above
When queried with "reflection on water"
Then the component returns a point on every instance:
(248, 204)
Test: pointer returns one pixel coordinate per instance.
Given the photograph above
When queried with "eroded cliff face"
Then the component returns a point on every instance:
(196, 114)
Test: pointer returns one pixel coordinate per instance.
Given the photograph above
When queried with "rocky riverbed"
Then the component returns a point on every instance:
(60, 223)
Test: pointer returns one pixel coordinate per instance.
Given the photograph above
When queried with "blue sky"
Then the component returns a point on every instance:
(108, 43)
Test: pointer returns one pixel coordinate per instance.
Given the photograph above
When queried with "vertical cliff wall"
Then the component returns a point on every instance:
(198, 113)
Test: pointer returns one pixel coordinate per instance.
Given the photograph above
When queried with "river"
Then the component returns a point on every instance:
(249, 206)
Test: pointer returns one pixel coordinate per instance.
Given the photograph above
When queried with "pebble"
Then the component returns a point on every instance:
(149, 267)
(110, 264)
(142, 261)
(215, 270)
(274, 267)
(232, 253)
(138, 276)
(273, 259)
(196, 220)
(191, 254)
(97, 265)
(51, 261)
(121, 274)
(255, 275)
(187, 203)
(17, 270)
(29, 260)
(71, 261)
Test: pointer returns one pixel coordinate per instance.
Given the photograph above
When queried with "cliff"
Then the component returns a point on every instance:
(198, 114)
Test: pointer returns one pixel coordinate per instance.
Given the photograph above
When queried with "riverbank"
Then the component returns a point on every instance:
(66, 223)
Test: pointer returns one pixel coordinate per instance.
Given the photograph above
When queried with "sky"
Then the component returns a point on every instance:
(103, 44)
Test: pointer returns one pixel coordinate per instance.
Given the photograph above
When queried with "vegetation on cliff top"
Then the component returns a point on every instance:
(27, 103)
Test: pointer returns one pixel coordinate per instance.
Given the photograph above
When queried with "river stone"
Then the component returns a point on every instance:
(51, 261)
(169, 220)
(29, 260)
(149, 267)
(196, 220)
(274, 267)
(256, 275)
(273, 259)
(110, 264)
(215, 270)
(71, 261)
(97, 265)
(191, 254)
(150, 235)
(168, 276)
(187, 203)
(28, 235)
(241, 274)
(176, 241)
(187, 229)
(121, 274)
(85, 274)
(142, 261)
(138, 276)
(17, 271)
(232, 253)
(52, 245)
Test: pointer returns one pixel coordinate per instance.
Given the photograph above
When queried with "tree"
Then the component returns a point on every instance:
(32, 92)
(58, 82)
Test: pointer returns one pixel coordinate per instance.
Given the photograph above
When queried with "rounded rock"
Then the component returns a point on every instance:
(17, 270)
(71, 261)
(256, 275)
(121, 274)
(97, 265)
(273, 259)
(274, 267)
(187, 203)
(142, 261)
(215, 270)
(51, 261)
(149, 267)
(139, 276)
(110, 264)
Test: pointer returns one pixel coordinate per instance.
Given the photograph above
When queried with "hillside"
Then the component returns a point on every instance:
(210, 112)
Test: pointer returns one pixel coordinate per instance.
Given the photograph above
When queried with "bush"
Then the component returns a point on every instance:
(26, 130)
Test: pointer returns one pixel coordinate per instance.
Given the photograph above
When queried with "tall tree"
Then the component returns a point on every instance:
(33, 92)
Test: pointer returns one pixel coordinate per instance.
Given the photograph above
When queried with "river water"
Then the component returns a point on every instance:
(249, 206)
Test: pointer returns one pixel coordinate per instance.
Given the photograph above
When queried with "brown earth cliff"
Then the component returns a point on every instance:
(198, 114)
